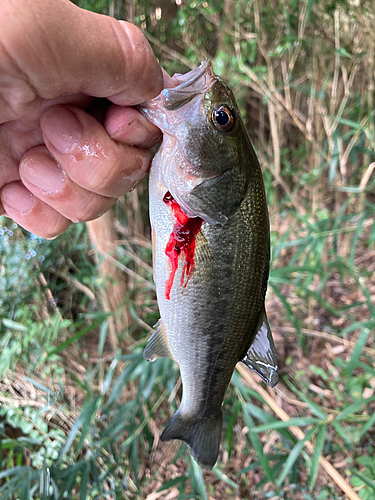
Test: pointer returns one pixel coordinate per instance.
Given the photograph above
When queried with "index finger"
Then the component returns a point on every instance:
(81, 51)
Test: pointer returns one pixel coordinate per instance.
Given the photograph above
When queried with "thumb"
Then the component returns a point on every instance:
(65, 50)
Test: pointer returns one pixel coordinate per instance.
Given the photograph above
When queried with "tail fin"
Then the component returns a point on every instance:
(202, 436)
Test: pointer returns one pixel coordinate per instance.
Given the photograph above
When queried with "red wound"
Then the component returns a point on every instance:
(181, 242)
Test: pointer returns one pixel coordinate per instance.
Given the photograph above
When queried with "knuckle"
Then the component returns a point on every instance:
(96, 184)
(136, 37)
(115, 184)
(143, 62)
(89, 209)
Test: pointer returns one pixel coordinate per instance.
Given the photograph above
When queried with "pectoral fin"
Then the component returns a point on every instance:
(261, 355)
(157, 346)
(204, 262)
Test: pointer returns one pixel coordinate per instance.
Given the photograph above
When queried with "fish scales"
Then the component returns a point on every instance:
(213, 316)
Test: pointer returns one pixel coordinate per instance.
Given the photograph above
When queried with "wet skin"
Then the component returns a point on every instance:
(62, 159)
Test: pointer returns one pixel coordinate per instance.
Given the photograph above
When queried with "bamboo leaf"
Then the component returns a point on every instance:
(14, 325)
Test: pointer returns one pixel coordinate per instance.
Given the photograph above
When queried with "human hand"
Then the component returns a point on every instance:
(58, 163)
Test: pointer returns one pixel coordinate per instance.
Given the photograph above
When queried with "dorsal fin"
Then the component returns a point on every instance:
(261, 355)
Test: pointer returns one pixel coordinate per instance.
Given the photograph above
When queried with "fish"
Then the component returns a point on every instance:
(211, 253)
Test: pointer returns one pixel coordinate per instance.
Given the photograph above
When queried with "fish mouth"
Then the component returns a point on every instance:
(196, 82)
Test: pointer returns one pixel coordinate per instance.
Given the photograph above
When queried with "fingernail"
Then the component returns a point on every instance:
(42, 171)
(61, 127)
(17, 197)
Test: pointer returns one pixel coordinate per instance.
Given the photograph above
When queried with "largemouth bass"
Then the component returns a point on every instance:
(211, 250)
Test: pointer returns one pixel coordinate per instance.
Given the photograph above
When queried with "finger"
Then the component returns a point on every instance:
(129, 126)
(8, 163)
(168, 81)
(31, 213)
(8, 167)
(44, 177)
(89, 156)
(75, 59)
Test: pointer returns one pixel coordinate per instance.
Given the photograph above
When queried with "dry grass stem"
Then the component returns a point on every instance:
(325, 464)
(324, 335)
(126, 269)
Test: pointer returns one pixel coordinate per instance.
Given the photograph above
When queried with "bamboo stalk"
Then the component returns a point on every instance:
(103, 234)
(324, 463)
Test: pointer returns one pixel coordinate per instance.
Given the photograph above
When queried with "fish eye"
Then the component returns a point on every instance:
(223, 118)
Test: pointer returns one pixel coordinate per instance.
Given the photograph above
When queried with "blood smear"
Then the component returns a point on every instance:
(181, 241)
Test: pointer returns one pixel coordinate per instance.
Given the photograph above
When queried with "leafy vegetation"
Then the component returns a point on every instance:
(81, 414)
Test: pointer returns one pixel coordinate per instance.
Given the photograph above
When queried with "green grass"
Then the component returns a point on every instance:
(80, 419)
(70, 433)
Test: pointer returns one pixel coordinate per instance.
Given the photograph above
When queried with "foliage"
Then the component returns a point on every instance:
(80, 421)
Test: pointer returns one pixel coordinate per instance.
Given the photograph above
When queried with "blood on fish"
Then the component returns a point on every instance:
(182, 239)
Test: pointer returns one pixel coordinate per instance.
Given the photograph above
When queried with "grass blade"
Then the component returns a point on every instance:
(86, 415)
(298, 422)
(365, 479)
(365, 428)
(254, 438)
(224, 477)
(171, 483)
(231, 423)
(319, 443)
(359, 345)
(75, 337)
(265, 417)
(197, 480)
(313, 406)
(294, 454)
(353, 408)
(85, 481)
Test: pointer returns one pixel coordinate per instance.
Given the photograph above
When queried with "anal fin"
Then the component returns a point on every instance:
(157, 346)
(261, 355)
